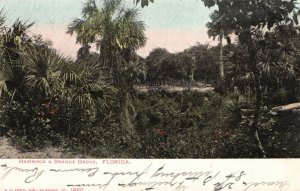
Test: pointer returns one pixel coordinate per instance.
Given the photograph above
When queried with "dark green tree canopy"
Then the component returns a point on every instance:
(110, 25)
(243, 16)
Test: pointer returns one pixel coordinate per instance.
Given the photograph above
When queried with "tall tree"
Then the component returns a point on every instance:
(115, 30)
(154, 64)
(250, 16)
(220, 26)
(117, 33)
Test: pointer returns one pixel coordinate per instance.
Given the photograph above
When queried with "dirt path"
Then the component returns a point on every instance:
(7, 151)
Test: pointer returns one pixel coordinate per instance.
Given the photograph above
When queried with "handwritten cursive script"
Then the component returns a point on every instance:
(280, 185)
(91, 171)
(34, 173)
(149, 177)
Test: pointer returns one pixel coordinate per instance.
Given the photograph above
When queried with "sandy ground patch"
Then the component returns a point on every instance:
(8, 151)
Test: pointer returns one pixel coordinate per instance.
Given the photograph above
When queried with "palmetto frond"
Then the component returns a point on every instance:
(83, 88)
(3, 88)
(6, 74)
(111, 7)
(15, 35)
(43, 70)
(87, 32)
(131, 30)
(12, 41)
(19, 28)
(283, 70)
(2, 19)
(89, 8)
(246, 78)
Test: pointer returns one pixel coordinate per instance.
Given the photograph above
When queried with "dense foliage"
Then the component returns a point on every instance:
(198, 61)
(91, 105)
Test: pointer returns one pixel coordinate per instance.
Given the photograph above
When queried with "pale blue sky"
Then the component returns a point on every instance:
(162, 14)
(172, 24)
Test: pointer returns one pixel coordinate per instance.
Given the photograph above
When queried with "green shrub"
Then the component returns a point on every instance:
(29, 126)
(184, 124)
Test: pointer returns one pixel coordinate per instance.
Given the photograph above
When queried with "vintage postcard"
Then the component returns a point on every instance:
(149, 95)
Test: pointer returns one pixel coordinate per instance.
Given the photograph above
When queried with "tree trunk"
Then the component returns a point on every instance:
(258, 102)
(221, 76)
(127, 119)
(221, 65)
(258, 94)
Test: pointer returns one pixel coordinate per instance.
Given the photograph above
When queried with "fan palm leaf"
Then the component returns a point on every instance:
(83, 88)
(43, 70)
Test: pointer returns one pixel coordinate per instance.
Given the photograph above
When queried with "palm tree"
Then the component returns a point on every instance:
(115, 30)
(216, 28)
(13, 40)
(117, 33)
(220, 26)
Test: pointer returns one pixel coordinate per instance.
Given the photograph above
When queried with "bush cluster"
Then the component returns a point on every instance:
(168, 125)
